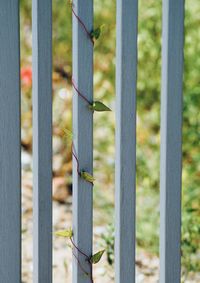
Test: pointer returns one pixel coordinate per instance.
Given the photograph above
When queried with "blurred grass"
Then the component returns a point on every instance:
(148, 115)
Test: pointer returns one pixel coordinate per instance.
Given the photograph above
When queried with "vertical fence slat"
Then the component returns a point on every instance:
(126, 77)
(83, 134)
(42, 141)
(10, 175)
(171, 124)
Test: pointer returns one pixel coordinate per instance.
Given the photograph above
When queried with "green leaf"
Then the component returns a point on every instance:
(97, 257)
(86, 176)
(95, 34)
(99, 107)
(65, 233)
(68, 134)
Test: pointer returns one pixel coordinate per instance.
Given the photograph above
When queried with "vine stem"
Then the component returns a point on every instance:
(82, 24)
(74, 153)
(76, 158)
(79, 93)
(79, 263)
(77, 162)
(91, 273)
(88, 258)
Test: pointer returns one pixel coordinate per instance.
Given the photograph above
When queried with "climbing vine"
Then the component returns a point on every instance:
(93, 106)
(93, 259)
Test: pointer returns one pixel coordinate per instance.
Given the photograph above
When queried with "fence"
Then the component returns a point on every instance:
(126, 77)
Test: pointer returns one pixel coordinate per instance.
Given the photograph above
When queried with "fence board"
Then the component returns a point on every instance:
(10, 175)
(42, 141)
(126, 76)
(171, 123)
(83, 134)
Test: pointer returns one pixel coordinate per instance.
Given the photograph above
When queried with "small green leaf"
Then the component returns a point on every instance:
(95, 34)
(65, 233)
(86, 176)
(99, 107)
(97, 257)
(68, 134)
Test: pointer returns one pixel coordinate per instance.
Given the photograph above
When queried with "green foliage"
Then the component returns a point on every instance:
(108, 244)
(97, 257)
(190, 241)
(68, 134)
(95, 34)
(99, 107)
(87, 177)
(65, 233)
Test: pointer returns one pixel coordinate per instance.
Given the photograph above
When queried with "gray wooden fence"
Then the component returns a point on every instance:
(126, 79)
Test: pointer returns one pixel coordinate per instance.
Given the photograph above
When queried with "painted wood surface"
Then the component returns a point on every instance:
(10, 173)
(171, 132)
(126, 76)
(83, 135)
(42, 141)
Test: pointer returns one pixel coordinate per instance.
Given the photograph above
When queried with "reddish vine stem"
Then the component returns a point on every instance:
(74, 153)
(79, 93)
(88, 258)
(77, 162)
(76, 158)
(91, 273)
(79, 263)
(82, 24)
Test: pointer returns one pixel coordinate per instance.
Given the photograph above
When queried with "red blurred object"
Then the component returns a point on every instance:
(26, 76)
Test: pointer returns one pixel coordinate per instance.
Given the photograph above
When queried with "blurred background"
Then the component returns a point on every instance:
(148, 139)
